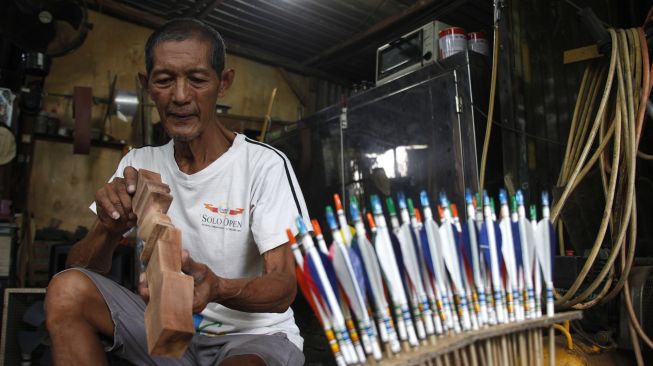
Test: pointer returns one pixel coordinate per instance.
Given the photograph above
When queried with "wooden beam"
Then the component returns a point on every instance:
(382, 25)
(581, 54)
(127, 13)
(143, 18)
(293, 87)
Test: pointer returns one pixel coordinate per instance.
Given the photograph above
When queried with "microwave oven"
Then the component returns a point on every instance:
(408, 53)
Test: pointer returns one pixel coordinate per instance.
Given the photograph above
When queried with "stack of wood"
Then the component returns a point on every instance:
(168, 315)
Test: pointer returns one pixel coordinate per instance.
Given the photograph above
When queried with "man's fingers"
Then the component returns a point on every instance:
(131, 179)
(197, 270)
(104, 201)
(187, 262)
(143, 290)
(125, 198)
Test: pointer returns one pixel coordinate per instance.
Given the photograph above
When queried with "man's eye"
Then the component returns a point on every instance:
(164, 81)
(196, 80)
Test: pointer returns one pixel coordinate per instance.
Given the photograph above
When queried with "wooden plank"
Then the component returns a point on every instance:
(581, 54)
(160, 229)
(169, 323)
(450, 343)
(168, 316)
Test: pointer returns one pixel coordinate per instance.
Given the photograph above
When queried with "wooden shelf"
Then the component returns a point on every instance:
(69, 140)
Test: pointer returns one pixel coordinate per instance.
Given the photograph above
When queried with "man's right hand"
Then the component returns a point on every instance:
(114, 202)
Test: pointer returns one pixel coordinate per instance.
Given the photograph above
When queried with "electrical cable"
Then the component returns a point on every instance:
(493, 87)
(618, 120)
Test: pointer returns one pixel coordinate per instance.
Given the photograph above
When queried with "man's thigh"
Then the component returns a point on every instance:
(127, 312)
(275, 349)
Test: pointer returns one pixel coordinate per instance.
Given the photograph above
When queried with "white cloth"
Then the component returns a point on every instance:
(230, 213)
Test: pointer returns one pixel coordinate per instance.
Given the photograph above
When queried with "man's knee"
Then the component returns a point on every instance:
(67, 295)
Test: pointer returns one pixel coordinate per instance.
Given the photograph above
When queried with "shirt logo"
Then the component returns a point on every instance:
(222, 217)
(224, 210)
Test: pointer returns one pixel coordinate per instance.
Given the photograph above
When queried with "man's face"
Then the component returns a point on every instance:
(184, 87)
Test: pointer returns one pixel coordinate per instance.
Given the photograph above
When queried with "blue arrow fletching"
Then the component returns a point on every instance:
(484, 245)
(359, 270)
(312, 270)
(467, 246)
(330, 272)
(499, 241)
(423, 238)
(516, 240)
(396, 246)
(355, 247)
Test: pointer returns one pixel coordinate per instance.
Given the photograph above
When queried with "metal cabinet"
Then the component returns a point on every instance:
(419, 132)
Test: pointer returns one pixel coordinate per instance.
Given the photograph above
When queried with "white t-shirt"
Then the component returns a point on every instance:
(230, 213)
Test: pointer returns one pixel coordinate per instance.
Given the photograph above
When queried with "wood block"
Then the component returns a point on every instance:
(168, 316)
(145, 176)
(161, 232)
(147, 180)
(152, 202)
(150, 222)
(166, 255)
(154, 198)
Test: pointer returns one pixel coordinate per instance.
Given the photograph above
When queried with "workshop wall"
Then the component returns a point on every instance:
(60, 196)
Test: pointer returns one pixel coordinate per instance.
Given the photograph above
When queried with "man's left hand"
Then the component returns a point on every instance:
(206, 281)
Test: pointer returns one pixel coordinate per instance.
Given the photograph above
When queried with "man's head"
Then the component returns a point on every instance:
(183, 29)
(184, 61)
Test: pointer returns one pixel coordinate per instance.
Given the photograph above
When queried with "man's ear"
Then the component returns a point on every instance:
(142, 78)
(226, 79)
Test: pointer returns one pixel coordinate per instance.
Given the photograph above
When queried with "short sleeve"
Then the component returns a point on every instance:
(277, 202)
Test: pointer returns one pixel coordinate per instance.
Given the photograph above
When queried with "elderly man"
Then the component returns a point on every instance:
(233, 199)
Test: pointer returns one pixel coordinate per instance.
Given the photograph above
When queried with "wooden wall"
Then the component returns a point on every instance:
(62, 184)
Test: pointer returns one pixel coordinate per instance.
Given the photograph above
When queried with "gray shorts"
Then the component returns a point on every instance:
(129, 342)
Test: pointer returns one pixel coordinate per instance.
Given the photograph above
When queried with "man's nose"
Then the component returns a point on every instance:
(180, 94)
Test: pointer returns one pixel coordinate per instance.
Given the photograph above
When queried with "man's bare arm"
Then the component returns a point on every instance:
(272, 292)
(95, 250)
(114, 217)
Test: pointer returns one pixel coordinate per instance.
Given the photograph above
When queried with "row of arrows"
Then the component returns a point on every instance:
(415, 279)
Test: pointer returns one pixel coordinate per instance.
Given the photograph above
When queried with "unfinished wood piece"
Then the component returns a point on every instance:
(145, 176)
(161, 230)
(148, 181)
(166, 254)
(168, 316)
(149, 223)
(153, 199)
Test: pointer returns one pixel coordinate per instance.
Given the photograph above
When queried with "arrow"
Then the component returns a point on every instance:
(370, 261)
(452, 262)
(471, 236)
(508, 251)
(314, 263)
(435, 247)
(388, 262)
(544, 250)
(313, 301)
(349, 280)
(488, 242)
